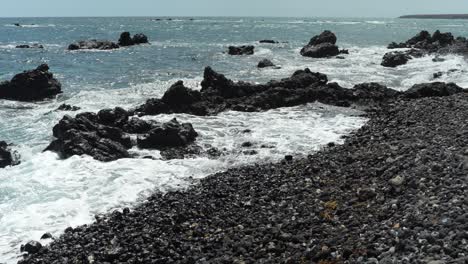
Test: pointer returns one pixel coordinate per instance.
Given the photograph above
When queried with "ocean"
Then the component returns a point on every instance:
(46, 194)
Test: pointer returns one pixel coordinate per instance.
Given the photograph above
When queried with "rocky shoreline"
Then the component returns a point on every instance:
(394, 192)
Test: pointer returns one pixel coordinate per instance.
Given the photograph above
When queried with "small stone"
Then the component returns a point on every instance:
(397, 181)
(288, 157)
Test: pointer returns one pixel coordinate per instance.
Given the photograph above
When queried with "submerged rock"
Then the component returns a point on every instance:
(33, 46)
(321, 46)
(265, 63)
(269, 41)
(67, 107)
(394, 59)
(241, 50)
(8, 157)
(93, 44)
(105, 136)
(31, 85)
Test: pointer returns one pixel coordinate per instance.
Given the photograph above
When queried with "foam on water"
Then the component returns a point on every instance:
(45, 194)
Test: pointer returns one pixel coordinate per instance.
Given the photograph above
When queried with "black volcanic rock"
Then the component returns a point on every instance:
(93, 44)
(394, 59)
(31, 85)
(321, 46)
(8, 157)
(32, 247)
(140, 38)
(219, 93)
(265, 63)
(269, 41)
(125, 39)
(324, 37)
(241, 50)
(67, 107)
(170, 134)
(435, 89)
(33, 46)
(437, 42)
(105, 136)
(322, 50)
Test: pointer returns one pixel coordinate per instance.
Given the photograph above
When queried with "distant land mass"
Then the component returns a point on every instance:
(439, 16)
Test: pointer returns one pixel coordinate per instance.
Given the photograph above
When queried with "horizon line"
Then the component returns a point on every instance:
(195, 16)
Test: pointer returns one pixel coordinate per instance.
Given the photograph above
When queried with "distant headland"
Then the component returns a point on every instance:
(438, 16)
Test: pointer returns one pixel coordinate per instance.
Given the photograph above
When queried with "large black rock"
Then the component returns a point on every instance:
(435, 89)
(437, 42)
(265, 63)
(394, 59)
(170, 134)
(127, 40)
(321, 46)
(105, 136)
(241, 50)
(93, 44)
(31, 85)
(219, 93)
(8, 157)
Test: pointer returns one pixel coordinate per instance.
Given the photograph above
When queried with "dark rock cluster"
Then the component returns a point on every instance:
(269, 41)
(67, 107)
(33, 46)
(394, 192)
(265, 63)
(31, 85)
(322, 46)
(425, 41)
(93, 44)
(397, 58)
(218, 94)
(8, 157)
(124, 40)
(241, 50)
(106, 135)
(127, 40)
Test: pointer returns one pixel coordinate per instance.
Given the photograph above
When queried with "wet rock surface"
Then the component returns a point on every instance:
(321, 46)
(269, 41)
(67, 107)
(33, 85)
(394, 192)
(127, 40)
(438, 42)
(397, 58)
(265, 63)
(241, 50)
(219, 93)
(8, 157)
(93, 44)
(33, 46)
(105, 136)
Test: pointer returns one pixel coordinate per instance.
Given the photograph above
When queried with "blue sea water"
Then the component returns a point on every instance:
(45, 194)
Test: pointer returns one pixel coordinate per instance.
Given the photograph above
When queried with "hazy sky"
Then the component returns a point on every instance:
(303, 8)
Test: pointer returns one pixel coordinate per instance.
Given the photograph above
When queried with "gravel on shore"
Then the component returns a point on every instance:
(394, 192)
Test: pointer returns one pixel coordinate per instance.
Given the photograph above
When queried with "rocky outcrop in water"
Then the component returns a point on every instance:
(93, 44)
(241, 50)
(127, 40)
(321, 46)
(33, 85)
(219, 94)
(435, 89)
(397, 58)
(268, 41)
(265, 63)
(67, 107)
(105, 136)
(394, 192)
(8, 157)
(33, 46)
(443, 43)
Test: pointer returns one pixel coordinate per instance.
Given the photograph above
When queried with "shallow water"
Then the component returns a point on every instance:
(45, 194)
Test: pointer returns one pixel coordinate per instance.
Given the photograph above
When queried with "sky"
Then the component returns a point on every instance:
(284, 8)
